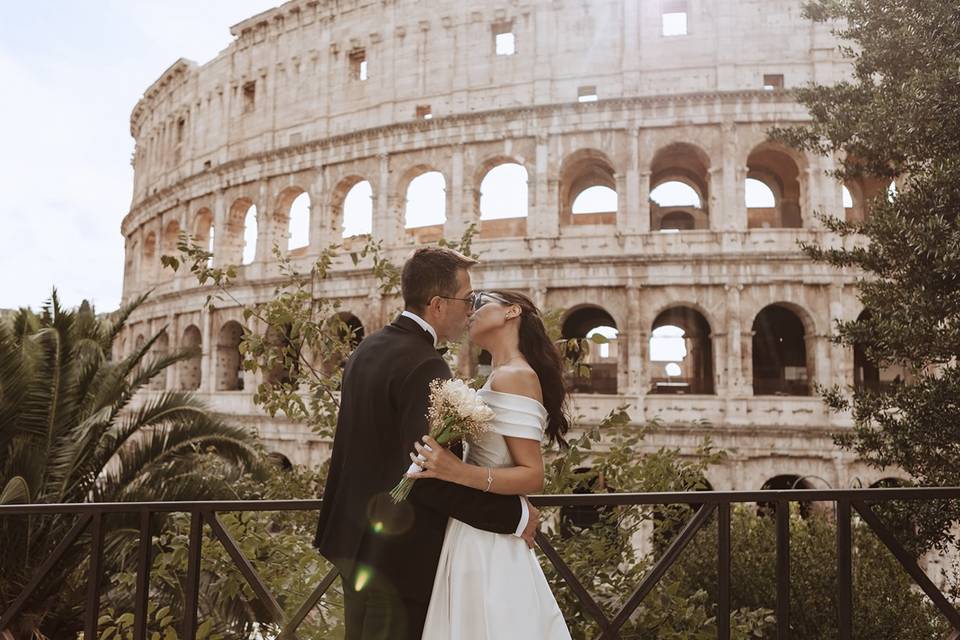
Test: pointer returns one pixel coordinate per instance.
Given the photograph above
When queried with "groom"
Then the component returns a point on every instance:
(387, 554)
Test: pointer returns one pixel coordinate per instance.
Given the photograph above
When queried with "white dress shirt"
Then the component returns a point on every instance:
(524, 508)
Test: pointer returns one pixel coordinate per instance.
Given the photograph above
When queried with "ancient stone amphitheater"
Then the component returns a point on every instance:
(614, 156)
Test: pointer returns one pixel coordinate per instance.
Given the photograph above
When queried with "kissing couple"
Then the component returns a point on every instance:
(455, 560)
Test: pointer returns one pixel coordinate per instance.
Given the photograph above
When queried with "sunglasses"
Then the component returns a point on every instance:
(480, 298)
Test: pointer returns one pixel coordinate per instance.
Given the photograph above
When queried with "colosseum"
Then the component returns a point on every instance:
(614, 156)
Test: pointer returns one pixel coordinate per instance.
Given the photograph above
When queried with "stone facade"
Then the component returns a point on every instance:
(318, 96)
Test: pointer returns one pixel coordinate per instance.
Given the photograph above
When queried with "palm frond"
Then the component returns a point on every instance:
(119, 319)
(16, 491)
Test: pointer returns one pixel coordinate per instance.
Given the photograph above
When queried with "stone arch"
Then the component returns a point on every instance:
(785, 481)
(782, 352)
(239, 243)
(679, 164)
(582, 170)
(190, 369)
(424, 190)
(351, 207)
(579, 325)
(780, 169)
(291, 218)
(171, 236)
(150, 260)
(871, 376)
(159, 350)
(229, 360)
(502, 197)
(681, 337)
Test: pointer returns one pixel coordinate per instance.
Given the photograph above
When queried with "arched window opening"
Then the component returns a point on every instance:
(159, 350)
(588, 189)
(679, 184)
(150, 257)
(203, 232)
(681, 353)
(358, 210)
(503, 192)
(779, 354)
(426, 200)
(598, 199)
(171, 235)
(871, 376)
(778, 205)
(250, 232)
(229, 359)
(189, 369)
(298, 228)
(591, 336)
(784, 482)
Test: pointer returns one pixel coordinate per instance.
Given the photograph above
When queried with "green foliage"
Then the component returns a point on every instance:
(278, 545)
(70, 431)
(897, 118)
(878, 578)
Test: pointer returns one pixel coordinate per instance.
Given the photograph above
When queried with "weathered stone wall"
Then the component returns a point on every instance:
(282, 111)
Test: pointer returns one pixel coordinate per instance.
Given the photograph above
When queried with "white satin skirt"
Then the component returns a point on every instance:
(490, 586)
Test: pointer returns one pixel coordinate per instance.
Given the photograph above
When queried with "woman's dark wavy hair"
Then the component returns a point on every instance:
(544, 358)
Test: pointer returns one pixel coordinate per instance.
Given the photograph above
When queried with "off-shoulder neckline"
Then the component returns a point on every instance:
(515, 395)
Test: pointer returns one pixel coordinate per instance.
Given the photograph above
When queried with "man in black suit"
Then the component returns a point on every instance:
(387, 554)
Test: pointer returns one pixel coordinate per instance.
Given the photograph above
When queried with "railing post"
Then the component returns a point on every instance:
(140, 609)
(844, 570)
(723, 571)
(783, 569)
(94, 575)
(191, 597)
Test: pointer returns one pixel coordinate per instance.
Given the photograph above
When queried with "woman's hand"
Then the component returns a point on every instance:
(437, 462)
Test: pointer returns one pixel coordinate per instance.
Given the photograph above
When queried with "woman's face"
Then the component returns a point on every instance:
(488, 319)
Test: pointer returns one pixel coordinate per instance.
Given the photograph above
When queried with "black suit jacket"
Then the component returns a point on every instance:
(383, 408)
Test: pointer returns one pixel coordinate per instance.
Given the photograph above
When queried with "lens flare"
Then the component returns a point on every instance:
(363, 576)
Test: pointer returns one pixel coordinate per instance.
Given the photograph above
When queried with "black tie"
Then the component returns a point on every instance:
(442, 350)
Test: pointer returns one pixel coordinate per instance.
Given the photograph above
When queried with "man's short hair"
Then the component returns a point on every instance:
(429, 272)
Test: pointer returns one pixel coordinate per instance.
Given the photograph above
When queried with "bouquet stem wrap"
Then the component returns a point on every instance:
(455, 412)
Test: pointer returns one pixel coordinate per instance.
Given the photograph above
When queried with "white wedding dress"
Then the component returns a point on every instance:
(490, 586)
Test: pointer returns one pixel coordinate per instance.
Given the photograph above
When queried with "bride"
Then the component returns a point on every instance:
(491, 586)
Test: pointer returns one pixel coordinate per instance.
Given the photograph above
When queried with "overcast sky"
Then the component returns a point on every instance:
(70, 73)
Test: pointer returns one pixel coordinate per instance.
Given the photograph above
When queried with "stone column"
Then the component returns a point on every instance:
(628, 218)
(544, 219)
(208, 383)
(220, 239)
(841, 356)
(267, 233)
(735, 385)
(633, 343)
(456, 222)
(323, 231)
(387, 217)
(644, 158)
(733, 210)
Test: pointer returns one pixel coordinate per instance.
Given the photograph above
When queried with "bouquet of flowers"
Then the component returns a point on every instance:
(455, 412)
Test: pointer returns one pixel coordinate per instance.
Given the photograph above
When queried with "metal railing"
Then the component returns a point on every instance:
(706, 503)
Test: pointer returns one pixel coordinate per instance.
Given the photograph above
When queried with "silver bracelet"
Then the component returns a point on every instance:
(489, 479)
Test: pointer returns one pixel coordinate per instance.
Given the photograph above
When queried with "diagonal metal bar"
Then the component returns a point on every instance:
(844, 570)
(94, 576)
(908, 562)
(192, 588)
(288, 630)
(660, 568)
(723, 571)
(245, 567)
(143, 578)
(575, 585)
(43, 570)
(955, 635)
(783, 569)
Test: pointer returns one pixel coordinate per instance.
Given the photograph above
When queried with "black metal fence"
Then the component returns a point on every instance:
(705, 503)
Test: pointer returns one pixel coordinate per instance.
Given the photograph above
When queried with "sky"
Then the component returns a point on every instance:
(70, 74)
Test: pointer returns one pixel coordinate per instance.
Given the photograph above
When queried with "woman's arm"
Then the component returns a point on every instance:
(524, 478)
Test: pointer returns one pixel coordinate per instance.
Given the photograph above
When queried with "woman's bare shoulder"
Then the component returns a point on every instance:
(517, 379)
